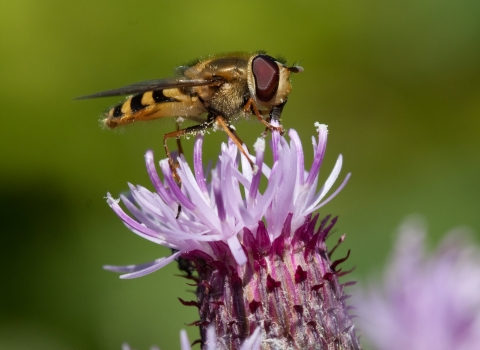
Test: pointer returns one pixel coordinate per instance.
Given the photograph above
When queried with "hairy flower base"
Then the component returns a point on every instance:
(288, 288)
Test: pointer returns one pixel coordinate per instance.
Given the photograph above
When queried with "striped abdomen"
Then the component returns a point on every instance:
(154, 104)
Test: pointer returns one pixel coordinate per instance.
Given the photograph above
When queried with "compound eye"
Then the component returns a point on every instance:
(267, 75)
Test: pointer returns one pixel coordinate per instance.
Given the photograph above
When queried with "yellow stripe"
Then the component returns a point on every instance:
(147, 98)
(177, 94)
(126, 109)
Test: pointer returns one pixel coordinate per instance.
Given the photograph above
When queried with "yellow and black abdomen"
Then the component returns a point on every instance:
(154, 104)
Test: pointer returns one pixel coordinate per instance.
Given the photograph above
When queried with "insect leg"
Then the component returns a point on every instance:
(221, 122)
(179, 143)
(275, 114)
(251, 105)
(238, 138)
(179, 209)
(192, 130)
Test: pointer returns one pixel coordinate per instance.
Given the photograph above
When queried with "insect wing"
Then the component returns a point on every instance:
(151, 85)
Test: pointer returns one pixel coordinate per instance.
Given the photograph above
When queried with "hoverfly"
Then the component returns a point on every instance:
(214, 91)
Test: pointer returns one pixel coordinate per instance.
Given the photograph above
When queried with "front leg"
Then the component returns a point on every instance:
(276, 112)
(250, 105)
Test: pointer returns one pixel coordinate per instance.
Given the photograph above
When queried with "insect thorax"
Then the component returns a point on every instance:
(229, 99)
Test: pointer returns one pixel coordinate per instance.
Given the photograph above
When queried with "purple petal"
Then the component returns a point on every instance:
(259, 147)
(334, 194)
(319, 152)
(152, 173)
(184, 201)
(296, 145)
(184, 342)
(198, 165)
(275, 141)
(218, 196)
(237, 250)
(142, 269)
(254, 341)
(133, 225)
(211, 342)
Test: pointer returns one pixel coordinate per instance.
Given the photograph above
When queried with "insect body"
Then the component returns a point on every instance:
(213, 91)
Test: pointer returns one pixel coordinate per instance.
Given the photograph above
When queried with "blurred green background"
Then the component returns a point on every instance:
(398, 83)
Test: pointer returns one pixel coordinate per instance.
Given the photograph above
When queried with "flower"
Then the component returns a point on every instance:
(260, 257)
(425, 302)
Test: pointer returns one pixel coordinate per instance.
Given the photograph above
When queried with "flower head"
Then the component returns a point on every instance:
(260, 256)
(219, 211)
(425, 302)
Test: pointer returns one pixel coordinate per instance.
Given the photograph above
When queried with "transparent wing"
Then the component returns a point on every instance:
(149, 85)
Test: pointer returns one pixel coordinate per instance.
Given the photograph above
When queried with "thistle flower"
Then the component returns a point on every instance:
(425, 302)
(260, 258)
